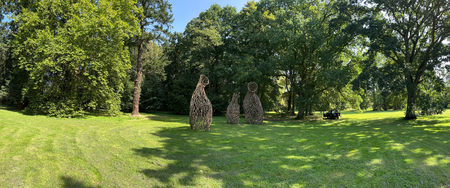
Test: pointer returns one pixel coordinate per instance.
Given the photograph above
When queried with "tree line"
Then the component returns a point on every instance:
(68, 58)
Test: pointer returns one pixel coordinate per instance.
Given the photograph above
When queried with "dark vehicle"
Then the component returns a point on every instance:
(332, 114)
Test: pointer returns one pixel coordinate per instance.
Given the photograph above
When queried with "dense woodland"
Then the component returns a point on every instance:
(66, 58)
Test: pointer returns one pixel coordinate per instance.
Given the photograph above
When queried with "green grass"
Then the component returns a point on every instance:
(371, 149)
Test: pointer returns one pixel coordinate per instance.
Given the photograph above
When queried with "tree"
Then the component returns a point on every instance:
(310, 39)
(411, 33)
(153, 75)
(180, 83)
(156, 15)
(431, 97)
(154, 90)
(250, 54)
(74, 54)
(4, 55)
(208, 42)
(11, 79)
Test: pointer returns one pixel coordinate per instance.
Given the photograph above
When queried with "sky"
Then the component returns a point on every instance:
(185, 10)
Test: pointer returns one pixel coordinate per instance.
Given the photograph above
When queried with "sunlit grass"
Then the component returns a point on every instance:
(370, 149)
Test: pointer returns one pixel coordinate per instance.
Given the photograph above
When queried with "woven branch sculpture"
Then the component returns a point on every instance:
(252, 105)
(200, 109)
(233, 110)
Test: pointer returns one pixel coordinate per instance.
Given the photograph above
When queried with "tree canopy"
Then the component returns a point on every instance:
(412, 35)
(74, 54)
(65, 58)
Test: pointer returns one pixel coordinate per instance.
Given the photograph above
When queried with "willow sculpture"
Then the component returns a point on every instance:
(252, 105)
(233, 110)
(200, 110)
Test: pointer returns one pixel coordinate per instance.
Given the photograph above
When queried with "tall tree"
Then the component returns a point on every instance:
(74, 54)
(12, 78)
(156, 19)
(252, 54)
(311, 37)
(412, 34)
(153, 74)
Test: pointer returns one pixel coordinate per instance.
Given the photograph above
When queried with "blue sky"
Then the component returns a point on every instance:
(185, 10)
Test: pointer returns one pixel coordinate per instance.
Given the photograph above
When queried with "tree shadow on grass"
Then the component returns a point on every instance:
(15, 109)
(70, 182)
(365, 153)
(165, 118)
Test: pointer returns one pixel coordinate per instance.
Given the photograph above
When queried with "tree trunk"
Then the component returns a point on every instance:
(411, 102)
(289, 101)
(374, 105)
(289, 96)
(137, 82)
(293, 97)
(19, 102)
(293, 103)
(301, 110)
(310, 109)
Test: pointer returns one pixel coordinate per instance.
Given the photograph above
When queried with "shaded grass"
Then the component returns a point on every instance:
(376, 149)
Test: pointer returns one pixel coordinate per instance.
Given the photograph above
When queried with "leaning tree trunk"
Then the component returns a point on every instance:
(411, 102)
(137, 82)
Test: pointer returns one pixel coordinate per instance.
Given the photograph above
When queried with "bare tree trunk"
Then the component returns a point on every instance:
(137, 82)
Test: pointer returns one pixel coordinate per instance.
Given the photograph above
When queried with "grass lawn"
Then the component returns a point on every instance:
(372, 149)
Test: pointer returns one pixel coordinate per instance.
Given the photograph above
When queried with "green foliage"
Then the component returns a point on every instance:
(365, 103)
(126, 100)
(154, 25)
(431, 97)
(382, 82)
(411, 34)
(155, 19)
(206, 47)
(74, 54)
(153, 93)
(264, 42)
(430, 105)
(182, 87)
(6, 68)
(4, 91)
(309, 39)
(152, 87)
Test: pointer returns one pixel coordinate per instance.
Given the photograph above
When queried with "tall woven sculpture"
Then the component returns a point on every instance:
(200, 110)
(233, 110)
(252, 105)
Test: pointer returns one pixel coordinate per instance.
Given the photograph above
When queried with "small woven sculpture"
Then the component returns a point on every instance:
(233, 110)
(200, 109)
(252, 105)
